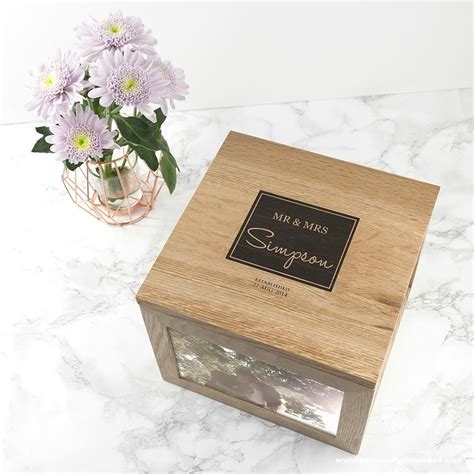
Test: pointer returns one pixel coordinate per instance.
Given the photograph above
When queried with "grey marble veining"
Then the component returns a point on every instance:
(80, 387)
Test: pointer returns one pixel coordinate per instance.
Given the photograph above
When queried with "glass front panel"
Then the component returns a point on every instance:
(257, 382)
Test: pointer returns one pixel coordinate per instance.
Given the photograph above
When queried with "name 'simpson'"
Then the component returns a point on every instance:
(256, 235)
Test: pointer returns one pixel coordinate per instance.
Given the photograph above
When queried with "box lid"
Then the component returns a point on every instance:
(304, 253)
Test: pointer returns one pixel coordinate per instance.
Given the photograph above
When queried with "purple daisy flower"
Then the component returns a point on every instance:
(176, 89)
(56, 85)
(113, 34)
(80, 135)
(128, 80)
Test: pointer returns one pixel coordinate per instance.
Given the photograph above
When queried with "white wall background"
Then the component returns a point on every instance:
(251, 53)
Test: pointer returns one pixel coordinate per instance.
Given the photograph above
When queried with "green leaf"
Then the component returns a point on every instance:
(162, 143)
(145, 138)
(71, 166)
(168, 170)
(171, 158)
(96, 107)
(174, 162)
(166, 149)
(138, 132)
(42, 146)
(160, 117)
(45, 131)
(148, 156)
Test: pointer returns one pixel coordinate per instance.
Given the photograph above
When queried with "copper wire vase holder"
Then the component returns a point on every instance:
(136, 190)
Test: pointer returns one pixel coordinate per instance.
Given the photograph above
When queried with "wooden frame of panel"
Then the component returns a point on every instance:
(357, 397)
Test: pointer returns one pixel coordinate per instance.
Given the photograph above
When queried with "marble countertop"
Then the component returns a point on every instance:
(80, 387)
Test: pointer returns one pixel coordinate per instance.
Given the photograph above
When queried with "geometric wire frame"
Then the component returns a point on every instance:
(119, 192)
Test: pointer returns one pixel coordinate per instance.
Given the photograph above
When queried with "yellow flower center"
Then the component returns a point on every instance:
(129, 84)
(49, 80)
(115, 29)
(81, 141)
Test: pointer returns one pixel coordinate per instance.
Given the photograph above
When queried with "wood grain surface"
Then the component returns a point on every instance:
(347, 331)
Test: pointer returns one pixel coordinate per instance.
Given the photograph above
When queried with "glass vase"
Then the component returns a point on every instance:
(117, 181)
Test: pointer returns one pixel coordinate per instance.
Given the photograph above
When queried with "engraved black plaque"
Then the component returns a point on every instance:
(294, 239)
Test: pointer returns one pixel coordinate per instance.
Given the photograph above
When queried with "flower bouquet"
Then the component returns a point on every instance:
(106, 107)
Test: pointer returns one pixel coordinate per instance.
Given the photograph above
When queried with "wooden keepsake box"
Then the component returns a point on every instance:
(281, 288)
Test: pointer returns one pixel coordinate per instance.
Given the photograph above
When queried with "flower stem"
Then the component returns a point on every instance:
(89, 103)
(109, 118)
